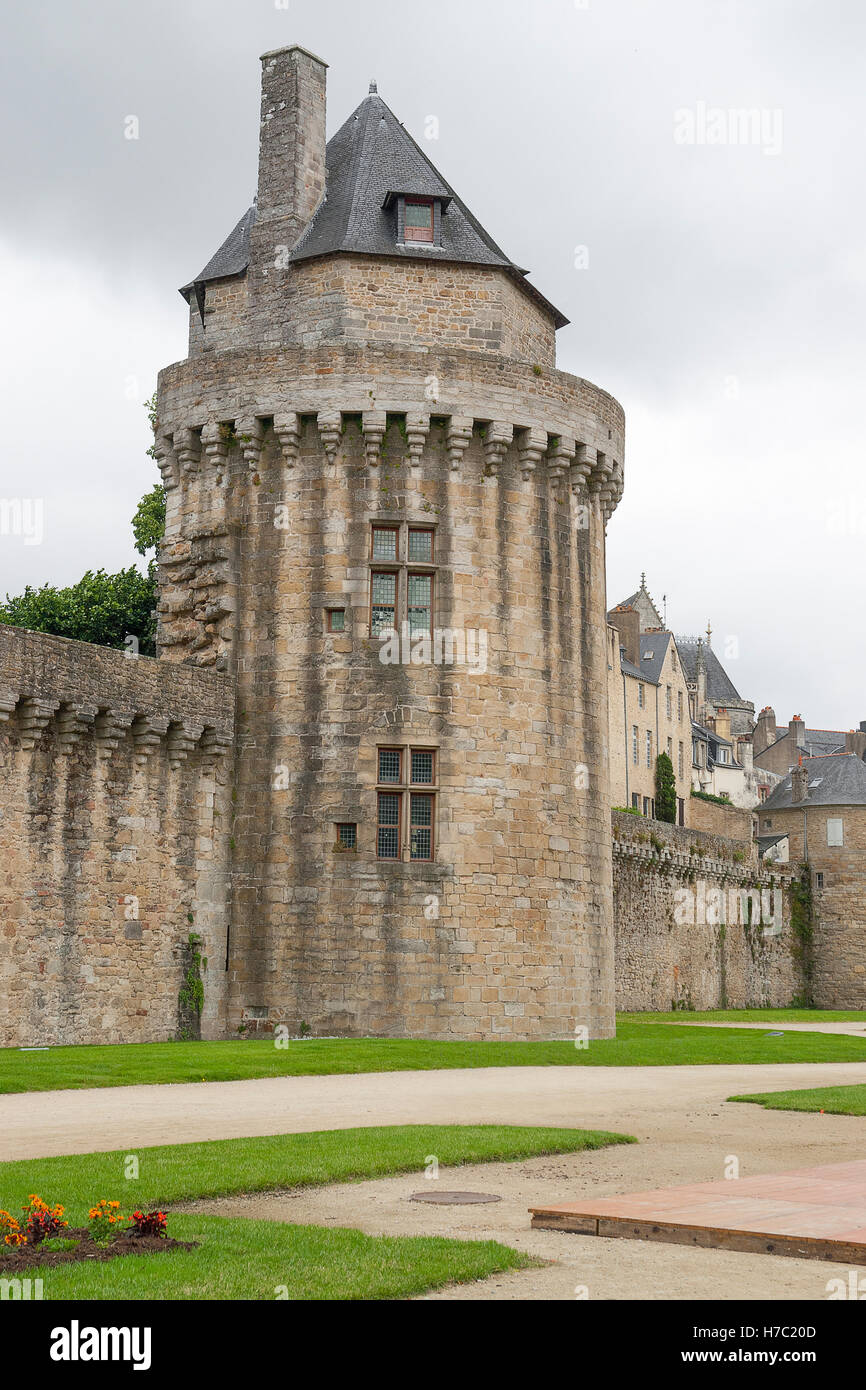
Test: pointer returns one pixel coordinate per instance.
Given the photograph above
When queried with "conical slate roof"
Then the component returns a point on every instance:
(371, 159)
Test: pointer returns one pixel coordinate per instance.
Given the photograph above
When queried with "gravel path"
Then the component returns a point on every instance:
(646, 1101)
(688, 1132)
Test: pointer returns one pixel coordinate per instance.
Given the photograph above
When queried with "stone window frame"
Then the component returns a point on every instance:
(404, 569)
(635, 746)
(408, 790)
(649, 747)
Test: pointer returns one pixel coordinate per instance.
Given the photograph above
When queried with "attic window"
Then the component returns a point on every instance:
(419, 223)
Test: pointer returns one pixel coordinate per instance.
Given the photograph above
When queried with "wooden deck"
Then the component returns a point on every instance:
(810, 1213)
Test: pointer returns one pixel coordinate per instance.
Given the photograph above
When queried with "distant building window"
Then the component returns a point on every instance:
(834, 833)
(634, 752)
(819, 882)
(723, 755)
(422, 767)
(336, 620)
(671, 749)
(767, 823)
(696, 752)
(347, 836)
(635, 801)
(421, 827)
(420, 603)
(680, 761)
(640, 696)
(419, 220)
(680, 706)
(649, 748)
(669, 697)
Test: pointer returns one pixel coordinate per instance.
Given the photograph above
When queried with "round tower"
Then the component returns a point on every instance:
(385, 519)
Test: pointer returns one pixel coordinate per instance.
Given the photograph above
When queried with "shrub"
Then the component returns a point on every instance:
(666, 790)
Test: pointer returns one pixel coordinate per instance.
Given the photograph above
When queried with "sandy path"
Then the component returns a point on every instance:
(664, 1103)
(680, 1114)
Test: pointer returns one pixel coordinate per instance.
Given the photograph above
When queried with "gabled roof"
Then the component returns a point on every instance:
(653, 653)
(371, 159)
(720, 688)
(838, 779)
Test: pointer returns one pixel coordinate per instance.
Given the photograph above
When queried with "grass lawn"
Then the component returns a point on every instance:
(241, 1259)
(265, 1260)
(642, 1040)
(834, 1100)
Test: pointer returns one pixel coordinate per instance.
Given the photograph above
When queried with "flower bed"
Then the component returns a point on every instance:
(26, 1257)
(45, 1239)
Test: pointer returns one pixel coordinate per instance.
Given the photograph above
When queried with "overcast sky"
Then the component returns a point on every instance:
(715, 283)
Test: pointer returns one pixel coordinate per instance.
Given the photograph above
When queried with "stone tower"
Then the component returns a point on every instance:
(386, 524)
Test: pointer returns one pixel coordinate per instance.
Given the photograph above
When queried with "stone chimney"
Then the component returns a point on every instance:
(627, 623)
(855, 741)
(745, 753)
(797, 730)
(723, 724)
(292, 161)
(799, 783)
(765, 729)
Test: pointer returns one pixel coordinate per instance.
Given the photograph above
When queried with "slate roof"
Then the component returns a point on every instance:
(836, 780)
(653, 653)
(819, 742)
(371, 157)
(720, 688)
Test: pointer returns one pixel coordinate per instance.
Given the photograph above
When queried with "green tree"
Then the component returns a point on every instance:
(148, 524)
(666, 790)
(105, 609)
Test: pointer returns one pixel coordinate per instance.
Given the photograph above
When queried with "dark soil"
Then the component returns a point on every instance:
(128, 1243)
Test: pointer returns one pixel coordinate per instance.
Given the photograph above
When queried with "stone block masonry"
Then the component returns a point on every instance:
(114, 840)
(680, 937)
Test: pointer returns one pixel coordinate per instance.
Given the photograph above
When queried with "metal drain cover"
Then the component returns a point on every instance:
(454, 1199)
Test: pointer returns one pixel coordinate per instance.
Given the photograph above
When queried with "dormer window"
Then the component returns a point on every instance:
(419, 220)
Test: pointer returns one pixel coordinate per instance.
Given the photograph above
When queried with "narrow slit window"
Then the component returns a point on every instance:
(384, 606)
(421, 827)
(419, 220)
(420, 603)
(388, 829)
(390, 765)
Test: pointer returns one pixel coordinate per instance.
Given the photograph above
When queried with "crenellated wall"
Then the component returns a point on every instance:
(114, 845)
(686, 934)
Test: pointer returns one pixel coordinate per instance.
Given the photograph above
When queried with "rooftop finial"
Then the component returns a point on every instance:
(643, 581)
(374, 87)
